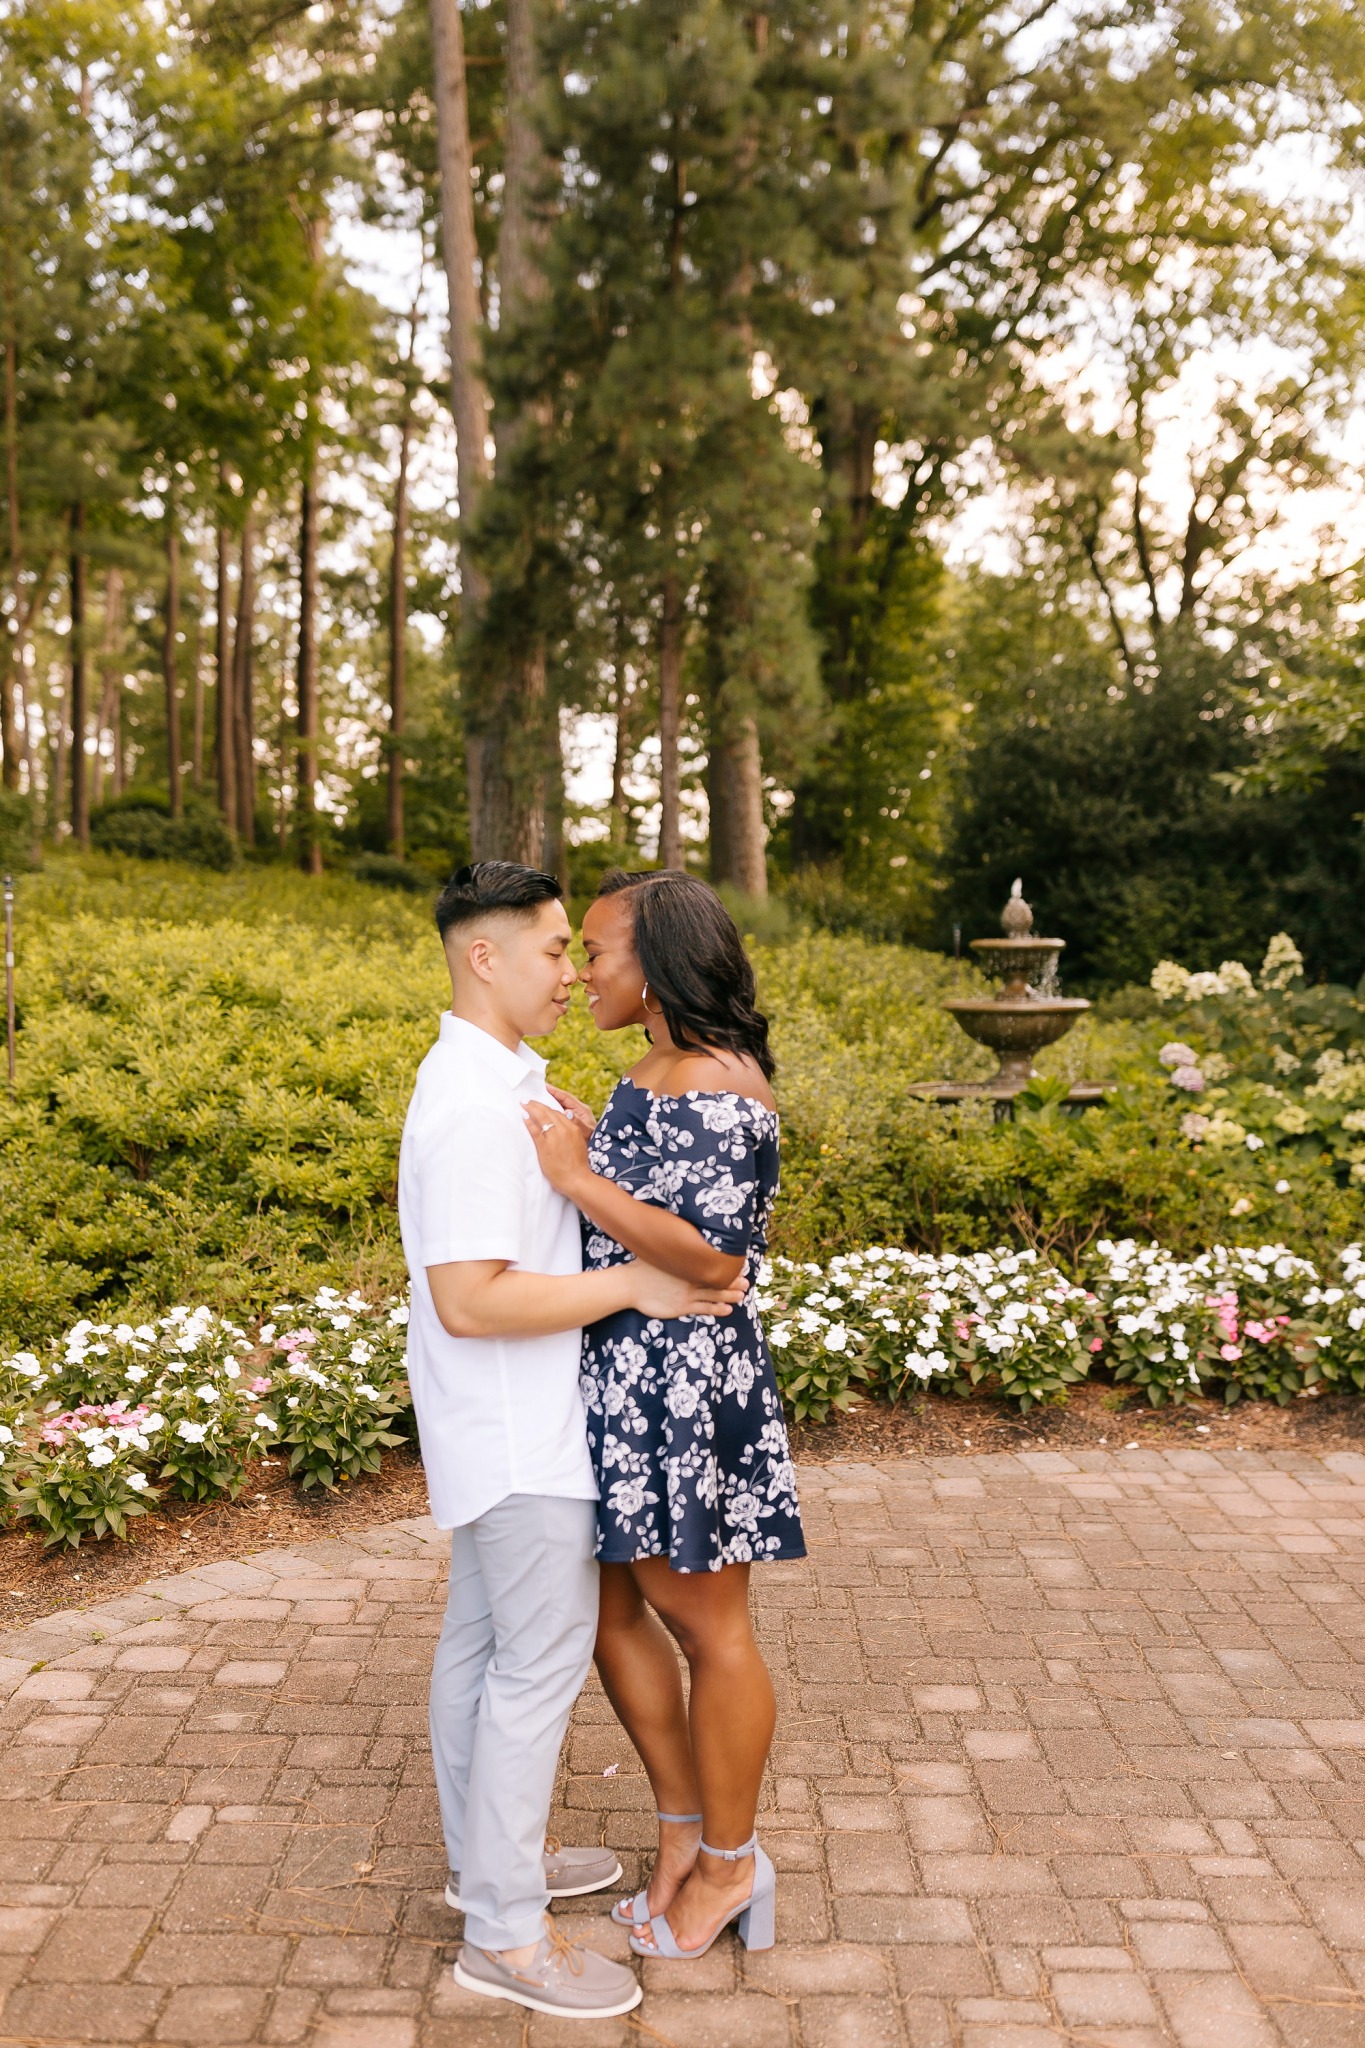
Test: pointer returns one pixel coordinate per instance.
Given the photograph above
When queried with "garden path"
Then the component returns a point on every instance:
(1072, 1750)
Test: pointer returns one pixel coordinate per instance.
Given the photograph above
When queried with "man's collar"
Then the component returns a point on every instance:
(513, 1067)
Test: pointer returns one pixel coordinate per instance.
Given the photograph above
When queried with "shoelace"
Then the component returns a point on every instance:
(562, 1950)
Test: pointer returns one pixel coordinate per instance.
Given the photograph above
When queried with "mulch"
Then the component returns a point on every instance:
(273, 1511)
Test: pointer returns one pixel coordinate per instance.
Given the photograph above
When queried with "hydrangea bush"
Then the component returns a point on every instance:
(116, 1414)
(1276, 1066)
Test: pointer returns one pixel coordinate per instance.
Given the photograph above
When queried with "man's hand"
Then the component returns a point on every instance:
(670, 1299)
(561, 1146)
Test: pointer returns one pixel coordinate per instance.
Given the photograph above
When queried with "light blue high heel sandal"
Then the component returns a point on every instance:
(623, 1912)
(757, 1916)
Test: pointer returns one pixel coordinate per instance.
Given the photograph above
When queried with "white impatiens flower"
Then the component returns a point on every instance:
(138, 1481)
(204, 1392)
(836, 1337)
(101, 1455)
(264, 1421)
(191, 1432)
(6, 1433)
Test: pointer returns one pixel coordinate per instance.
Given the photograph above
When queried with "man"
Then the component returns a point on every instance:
(499, 1299)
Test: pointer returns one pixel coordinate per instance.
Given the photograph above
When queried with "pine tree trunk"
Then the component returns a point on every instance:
(309, 842)
(243, 709)
(170, 659)
(109, 695)
(59, 756)
(80, 804)
(225, 739)
(555, 854)
(511, 800)
(398, 634)
(738, 833)
(197, 673)
(118, 781)
(620, 760)
(10, 745)
(670, 703)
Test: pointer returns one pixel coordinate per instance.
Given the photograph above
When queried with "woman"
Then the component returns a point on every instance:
(684, 1421)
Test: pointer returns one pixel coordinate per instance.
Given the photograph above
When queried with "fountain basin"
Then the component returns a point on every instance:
(1020, 1024)
(1017, 1022)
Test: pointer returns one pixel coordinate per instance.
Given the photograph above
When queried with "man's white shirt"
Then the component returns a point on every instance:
(497, 1415)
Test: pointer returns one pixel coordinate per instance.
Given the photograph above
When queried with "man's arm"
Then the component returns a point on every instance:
(489, 1298)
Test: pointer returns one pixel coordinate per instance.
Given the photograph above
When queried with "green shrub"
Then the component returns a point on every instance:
(391, 874)
(140, 825)
(214, 1068)
(16, 832)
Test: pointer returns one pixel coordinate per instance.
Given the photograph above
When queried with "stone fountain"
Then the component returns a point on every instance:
(1018, 1021)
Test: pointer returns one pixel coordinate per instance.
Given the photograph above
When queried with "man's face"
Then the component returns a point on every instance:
(525, 967)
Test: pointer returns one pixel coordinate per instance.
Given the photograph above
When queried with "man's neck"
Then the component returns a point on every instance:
(484, 1019)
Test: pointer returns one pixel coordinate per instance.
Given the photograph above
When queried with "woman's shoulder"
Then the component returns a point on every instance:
(727, 1075)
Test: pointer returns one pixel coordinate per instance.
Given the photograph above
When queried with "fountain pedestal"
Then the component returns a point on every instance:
(1019, 1021)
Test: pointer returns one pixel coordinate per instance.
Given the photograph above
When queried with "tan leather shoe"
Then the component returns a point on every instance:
(561, 1978)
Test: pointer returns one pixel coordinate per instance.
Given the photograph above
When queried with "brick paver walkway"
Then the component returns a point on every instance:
(1071, 1749)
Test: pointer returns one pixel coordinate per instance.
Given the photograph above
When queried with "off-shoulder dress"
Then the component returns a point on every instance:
(684, 1421)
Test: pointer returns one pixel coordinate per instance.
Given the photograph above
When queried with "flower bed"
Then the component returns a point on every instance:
(1240, 1322)
(115, 1416)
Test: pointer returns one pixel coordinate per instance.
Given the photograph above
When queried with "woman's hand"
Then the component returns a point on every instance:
(571, 1105)
(561, 1146)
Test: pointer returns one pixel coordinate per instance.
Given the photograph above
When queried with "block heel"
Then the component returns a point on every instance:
(756, 1918)
(758, 1922)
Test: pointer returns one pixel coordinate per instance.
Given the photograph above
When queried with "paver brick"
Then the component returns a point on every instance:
(1067, 1746)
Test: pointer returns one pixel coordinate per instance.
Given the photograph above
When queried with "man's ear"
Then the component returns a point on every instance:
(481, 954)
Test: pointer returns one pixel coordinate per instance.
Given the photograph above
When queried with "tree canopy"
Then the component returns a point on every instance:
(401, 395)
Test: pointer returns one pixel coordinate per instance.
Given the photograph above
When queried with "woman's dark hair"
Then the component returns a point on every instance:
(695, 963)
(501, 888)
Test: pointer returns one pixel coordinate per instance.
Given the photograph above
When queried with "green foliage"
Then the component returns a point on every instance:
(213, 1072)
(16, 832)
(1112, 802)
(140, 824)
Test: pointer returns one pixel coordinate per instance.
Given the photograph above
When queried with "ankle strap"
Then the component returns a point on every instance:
(677, 1816)
(732, 1855)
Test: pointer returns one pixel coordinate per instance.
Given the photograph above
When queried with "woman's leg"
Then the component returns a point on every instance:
(638, 1667)
(732, 1714)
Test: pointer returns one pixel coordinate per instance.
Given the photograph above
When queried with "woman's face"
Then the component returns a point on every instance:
(613, 976)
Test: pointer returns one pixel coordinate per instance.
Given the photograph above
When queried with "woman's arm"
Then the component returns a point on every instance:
(654, 1234)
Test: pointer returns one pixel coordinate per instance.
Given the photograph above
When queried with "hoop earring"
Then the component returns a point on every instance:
(644, 998)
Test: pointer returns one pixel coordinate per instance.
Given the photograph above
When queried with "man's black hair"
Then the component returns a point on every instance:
(500, 887)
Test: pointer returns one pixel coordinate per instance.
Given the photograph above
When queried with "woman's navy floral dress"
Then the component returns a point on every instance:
(684, 1421)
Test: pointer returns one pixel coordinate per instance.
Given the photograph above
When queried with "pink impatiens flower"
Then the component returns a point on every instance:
(259, 1386)
(1231, 1352)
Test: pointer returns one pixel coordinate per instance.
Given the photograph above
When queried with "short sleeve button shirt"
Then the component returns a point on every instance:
(497, 1415)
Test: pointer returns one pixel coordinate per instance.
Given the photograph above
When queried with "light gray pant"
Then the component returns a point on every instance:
(515, 1649)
